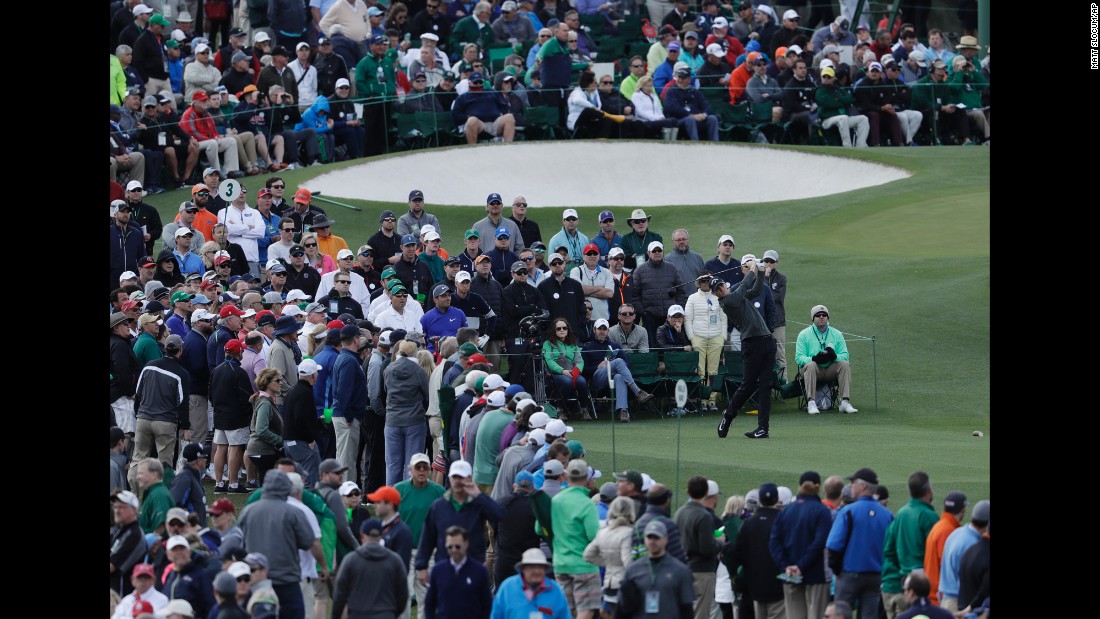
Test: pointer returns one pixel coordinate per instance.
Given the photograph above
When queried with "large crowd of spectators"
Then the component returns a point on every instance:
(286, 86)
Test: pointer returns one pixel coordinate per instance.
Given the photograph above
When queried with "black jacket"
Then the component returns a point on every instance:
(300, 414)
(336, 305)
(798, 96)
(564, 299)
(145, 215)
(124, 367)
(329, 69)
(418, 273)
(188, 492)
(517, 302)
(385, 247)
(307, 280)
(229, 393)
(148, 58)
(752, 554)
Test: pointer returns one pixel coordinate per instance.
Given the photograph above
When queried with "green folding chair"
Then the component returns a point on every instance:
(683, 365)
(643, 366)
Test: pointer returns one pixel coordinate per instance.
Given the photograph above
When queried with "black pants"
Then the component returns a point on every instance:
(263, 464)
(519, 365)
(556, 97)
(758, 357)
(652, 322)
(376, 114)
(373, 461)
(293, 139)
(882, 125)
(799, 125)
(592, 121)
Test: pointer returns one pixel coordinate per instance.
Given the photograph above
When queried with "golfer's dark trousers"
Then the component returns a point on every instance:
(758, 356)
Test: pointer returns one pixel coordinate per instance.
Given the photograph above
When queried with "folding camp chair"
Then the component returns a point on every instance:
(683, 365)
(643, 366)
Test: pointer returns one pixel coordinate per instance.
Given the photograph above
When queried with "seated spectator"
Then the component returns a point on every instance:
(648, 108)
(444, 92)
(614, 103)
(584, 109)
(763, 88)
(687, 105)
(799, 102)
(565, 363)
(936, 97)
(970, 83)
(482, 109)
(901, 97)
(284, 118)
(627, 333)
(664, 72)
(822, 354)
(507, 84)
(510, 27)
(249, 118)
(833, 102)
(347, 128)
(873, 98)
(197, 123)
(166, 140)
(714, 73)
(672, 335)
(427, 63)
(606, 361)
(718, 35)
(317, 118)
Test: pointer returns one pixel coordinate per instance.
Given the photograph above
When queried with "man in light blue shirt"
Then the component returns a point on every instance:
(957, 543)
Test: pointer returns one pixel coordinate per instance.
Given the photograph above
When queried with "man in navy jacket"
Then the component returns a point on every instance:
(689, 107)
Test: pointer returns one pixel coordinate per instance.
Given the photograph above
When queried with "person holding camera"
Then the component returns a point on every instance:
(285, 115)
(822, 355)
(518, 300)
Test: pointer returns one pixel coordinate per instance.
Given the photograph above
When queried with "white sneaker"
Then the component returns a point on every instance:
(811, 407)
(846, 407)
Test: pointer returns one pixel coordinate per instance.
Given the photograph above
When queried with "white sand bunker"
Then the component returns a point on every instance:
(605, 174)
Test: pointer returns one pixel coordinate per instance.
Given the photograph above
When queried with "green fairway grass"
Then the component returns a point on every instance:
(906, 262)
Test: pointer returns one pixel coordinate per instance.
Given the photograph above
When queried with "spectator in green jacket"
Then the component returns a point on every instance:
(376, 82)
(575, 526)
(970, 84)
(903, 549)
(473, 28)
(833, 102)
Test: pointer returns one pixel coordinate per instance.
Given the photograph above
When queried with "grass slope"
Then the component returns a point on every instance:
(907, 263)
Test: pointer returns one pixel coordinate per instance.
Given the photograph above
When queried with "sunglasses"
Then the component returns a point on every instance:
(310, 244)
(657, 251)
(289, 229)
(769, 261)
(570, 219)
(520, 272)
(617, 258)
(278, 186)
(192, 211)
(355, 493)
(342, 281)
(605, 83)
(276, 380)
(561, 328)
(366, 254)
(820, 314)
(626, 313)
(391, 218)
(205, 194)
(528, 259)
(637, 66)
(244, 578)
(592, 253)
(523, 204)
(225, 265)
(297, 254)
(136, 189)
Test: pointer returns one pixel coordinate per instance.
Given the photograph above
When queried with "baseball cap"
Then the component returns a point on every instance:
(554, 257)
(569, 212)
(493, 197)
(917, 56)
(981, 511)
(601, 322)
(810, 476)
(712, 487)
(419, 457)
(606, 215)
(144, 569)
(715, 49)
(746, 258)
(656, 528)
(720, 22)
(257, 559)
(472, 234)
(415, 194)
(177, 606)
(127, 497)
(176, 541)
(388, 494)
(303, 195)
(655, 245)
(332, 465)
(675, 310)
(828, 71)
(372, 527)
(221, 506)
(591, 247)
(502, 233)
(954, 501)
(615, 251)
(577, 469)
(769, 494)
(439, 290)
(553, 468)
(408, 239)
(461, 468)
(194, 451)
(308, 367)
(771, 254)
(539, 420)
(634, 477)
(866, 475)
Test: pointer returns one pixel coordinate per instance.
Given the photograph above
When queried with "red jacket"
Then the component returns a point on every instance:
(199, 126)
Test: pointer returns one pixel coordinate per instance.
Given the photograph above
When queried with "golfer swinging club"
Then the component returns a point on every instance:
(757, 347)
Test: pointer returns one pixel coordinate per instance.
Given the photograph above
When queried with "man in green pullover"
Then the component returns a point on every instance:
(832, 104)
(903, 549)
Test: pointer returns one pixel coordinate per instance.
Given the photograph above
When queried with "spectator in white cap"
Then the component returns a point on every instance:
(347, 128)
(776, 283)
(822, 356)
(657, 287)
(305, 75)
(302, 428)
(187, 580)
(141, 16)
(476, 510)
(510, 27)
(705, 326)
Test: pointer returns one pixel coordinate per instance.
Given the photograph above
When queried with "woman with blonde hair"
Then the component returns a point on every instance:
(426, 361)
(266, 441)
(612, 548)
(732, 517)
(208, 252)
(314, 258)
(316, 340)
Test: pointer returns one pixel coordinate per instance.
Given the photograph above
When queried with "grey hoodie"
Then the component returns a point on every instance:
(388, 592)
(277, 529)
(406, 393)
